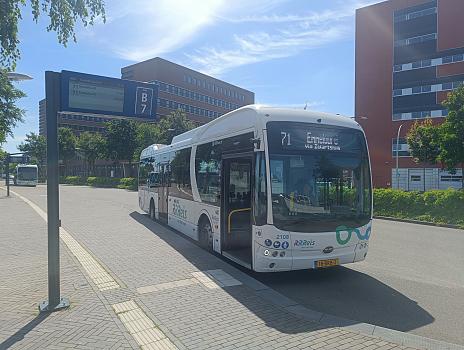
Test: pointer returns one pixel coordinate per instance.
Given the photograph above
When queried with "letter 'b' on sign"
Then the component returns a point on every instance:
(144, 102)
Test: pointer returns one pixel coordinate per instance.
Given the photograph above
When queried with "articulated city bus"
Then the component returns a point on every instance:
(272, 189)
(26, 175)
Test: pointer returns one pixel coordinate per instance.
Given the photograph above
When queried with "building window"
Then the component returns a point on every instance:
(403, 148)
(438, 113)
(415, 14)
(447, 59)
(415, 40)
(450, 178)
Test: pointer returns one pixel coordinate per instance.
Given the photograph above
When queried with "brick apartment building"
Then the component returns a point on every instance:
(409, 55)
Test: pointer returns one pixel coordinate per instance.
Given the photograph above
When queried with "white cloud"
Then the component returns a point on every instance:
(287, 36)
(262, 46)
(141, 29)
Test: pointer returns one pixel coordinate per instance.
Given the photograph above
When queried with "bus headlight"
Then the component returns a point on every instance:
(275, 253)
(266, 252)
(282, 254)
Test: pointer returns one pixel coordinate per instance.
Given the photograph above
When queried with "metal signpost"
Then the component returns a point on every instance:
(82, 93)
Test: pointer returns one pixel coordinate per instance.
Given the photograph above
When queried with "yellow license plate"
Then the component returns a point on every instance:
(327, 263)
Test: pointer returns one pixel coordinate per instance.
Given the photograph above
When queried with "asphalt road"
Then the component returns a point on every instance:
(412, 279)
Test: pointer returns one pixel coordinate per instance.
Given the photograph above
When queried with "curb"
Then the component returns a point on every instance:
(391, 335)
(418, 222)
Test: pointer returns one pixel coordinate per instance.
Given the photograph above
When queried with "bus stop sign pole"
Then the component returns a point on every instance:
(7, 173)
(52, 97)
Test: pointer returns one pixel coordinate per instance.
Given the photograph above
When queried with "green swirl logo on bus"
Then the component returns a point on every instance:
(345, 231)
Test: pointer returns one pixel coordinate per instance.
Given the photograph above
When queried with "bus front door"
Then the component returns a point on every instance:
(163, 194)
(236, 214)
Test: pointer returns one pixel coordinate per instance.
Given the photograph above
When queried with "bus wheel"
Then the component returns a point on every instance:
(152, 210)
(206, 234)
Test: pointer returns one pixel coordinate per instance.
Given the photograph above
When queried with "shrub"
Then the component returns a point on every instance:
(438, 206)
(73, 180)
(128, 183)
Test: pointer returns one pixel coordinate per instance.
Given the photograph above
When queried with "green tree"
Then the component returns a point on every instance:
(66, 146)
(452, 132)
(10, 114)
(121, 140)
(172, 125)
(2, 158)
(147, 134)
(36, 146)
(423, 139)
(63, 15)
(92, 147)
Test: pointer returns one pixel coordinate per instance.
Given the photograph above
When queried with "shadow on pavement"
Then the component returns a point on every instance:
(21, 333)
(350, 294)
(338, 291)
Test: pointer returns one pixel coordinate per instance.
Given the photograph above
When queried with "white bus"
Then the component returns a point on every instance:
(26, 175)
(271, 189)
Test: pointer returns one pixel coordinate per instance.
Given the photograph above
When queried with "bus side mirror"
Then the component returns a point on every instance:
(256, 142)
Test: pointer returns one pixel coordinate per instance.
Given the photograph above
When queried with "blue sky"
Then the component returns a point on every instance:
(288, 52)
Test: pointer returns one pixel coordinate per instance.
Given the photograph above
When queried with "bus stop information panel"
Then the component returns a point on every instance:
(87, 93)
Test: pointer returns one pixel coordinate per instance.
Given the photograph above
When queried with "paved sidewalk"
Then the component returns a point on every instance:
(90, 323)
(186, 297)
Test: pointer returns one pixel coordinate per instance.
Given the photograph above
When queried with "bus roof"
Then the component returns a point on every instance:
(251, 117)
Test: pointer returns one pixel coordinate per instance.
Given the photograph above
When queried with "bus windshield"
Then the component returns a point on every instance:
(320, 177)
(27, 173)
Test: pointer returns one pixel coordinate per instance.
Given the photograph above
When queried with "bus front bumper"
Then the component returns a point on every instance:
(273, 260)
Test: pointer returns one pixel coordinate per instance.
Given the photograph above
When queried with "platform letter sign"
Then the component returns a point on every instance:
(143, 101)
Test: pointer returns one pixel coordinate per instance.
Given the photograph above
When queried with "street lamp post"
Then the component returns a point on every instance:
(13, 76)
(397, 151)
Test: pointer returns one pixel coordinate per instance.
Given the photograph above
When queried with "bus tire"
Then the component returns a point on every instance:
(205, 233)
(152, 210)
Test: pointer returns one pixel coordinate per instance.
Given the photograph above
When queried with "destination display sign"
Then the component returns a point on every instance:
(312, 137)
(87, 93)
(92, 94)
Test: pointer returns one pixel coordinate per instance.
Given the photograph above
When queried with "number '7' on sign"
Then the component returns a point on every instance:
(143, 101)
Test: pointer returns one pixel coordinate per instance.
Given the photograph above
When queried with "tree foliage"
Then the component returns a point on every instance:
(92, 146)
(423, 141)
(10, 114)
(121, 139)
(172, 125)
(147, 134)
(36, 146)
(66, 144)
(452, 131)
(63, 15)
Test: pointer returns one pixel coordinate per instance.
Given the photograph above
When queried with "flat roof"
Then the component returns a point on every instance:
(206, 76)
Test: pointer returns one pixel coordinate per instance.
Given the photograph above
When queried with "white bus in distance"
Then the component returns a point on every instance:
(26, 175)
(272, 189)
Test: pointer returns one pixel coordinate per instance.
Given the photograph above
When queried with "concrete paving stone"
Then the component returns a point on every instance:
(163, 344)
(148, 336)
(275, 298)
